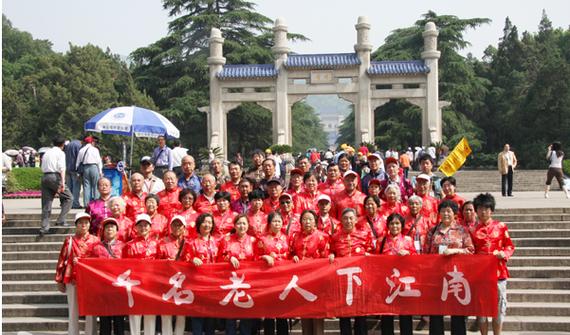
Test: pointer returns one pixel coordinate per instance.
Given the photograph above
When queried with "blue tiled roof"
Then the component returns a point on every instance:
(247, 71)
(397, 67)
(322, 61)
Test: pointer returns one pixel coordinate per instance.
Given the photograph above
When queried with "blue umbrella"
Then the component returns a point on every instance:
(132, 121)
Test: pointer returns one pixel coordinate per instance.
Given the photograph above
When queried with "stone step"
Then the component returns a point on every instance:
(538, 309)
(34, 324)
(31, 246)
(26, 275)
(542, 251)
(531, 217)
(9, 231)
(538, 261)
(25, 297)
(34, 310)
(33, 238)
(537, 296)
(539, 233)
(541, 242)
(30, 265)
(540, 272)
(548, 211)
(539, 283)
(31, 255)
(537, 225)
(29, 285)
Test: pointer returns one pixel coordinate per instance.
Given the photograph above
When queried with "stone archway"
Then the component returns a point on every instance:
(352, 76)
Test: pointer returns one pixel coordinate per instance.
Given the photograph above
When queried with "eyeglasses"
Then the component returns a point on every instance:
(286, 202)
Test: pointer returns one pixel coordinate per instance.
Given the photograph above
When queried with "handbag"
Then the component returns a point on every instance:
(81, 166)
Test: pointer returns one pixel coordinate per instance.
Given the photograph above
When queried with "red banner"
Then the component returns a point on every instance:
(352, 286)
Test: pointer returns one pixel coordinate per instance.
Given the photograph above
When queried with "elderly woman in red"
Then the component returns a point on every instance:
(98, 208)
(170, 248)
(393, 203)
(468, 218)
(371, 221)
(416, 226)
(109, 248)
(276, 245)
(169, 197)
(235, 248)
(291, 220)
(308, 199)
(187, 197)
(159, 228)
(73, 248)
(143, 246)
(125, 225)
(448, 238)
(203, 249)
(491, 237)
(326, 223)
(310, 243)
(257, 218)
(349, 242)
(223, 216)
(396, 244)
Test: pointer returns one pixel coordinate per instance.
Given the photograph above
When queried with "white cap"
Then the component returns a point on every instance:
(143, 217)
(81, 215)
(323, 197)
(424, 177)
(348, 173)
(180, 218)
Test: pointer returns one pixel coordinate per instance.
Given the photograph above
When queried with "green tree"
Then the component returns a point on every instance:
(307, 129)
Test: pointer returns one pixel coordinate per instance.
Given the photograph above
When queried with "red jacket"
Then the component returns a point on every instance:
(142, 248)
(494, 236)
(80, 247)
(169, 204)
(313, 245)
(354, 243)
(104, 249)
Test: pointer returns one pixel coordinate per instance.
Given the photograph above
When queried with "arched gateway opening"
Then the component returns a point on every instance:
(352, 76)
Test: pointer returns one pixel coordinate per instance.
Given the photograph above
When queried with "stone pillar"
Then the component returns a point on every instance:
(431, 116)
(281, 116)
(216, 116)
(364, 115)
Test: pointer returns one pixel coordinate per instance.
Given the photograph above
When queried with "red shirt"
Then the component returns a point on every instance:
(257, 223)
(204, 248)
(169, 204)
(276, 246)
(135, 204)
(205, 205)
(190, 215)
(125, 231)
(344, 200)
(455, 198)
(270, 205)
(354, 243)
(387, 208)
(141, 248)
(307, 200)
(291, 223)
(159, 227)
(417, 229)
(232, 189)
(494, 236)
(169, 247)
(104, 249)
(429, 210)
(313, 245)
(456, 237)
(393, 244)
(80, 247)
(331, 189)
(244, 248)
(366, 223)
(224, 223)
(328, 225)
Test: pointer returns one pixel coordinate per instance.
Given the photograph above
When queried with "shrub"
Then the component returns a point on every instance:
(566, 167)
(23, 179)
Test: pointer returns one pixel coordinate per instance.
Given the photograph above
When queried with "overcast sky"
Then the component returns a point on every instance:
(124, 25)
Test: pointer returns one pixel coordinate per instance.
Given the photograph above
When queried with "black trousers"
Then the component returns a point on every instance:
(507, 182)
(457, 325)
(269, 326)
(387, 325)
(359, 326)
(115, 323)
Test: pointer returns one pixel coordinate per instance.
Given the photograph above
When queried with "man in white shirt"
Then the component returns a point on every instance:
(177, 154)
(53, 182)
(90, 157)
(152, 184)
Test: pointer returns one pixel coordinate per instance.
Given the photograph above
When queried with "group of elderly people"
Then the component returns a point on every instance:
(252, 216)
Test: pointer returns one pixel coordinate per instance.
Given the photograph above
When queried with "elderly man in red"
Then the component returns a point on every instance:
(351, 197)
(334, 184)
(109, 248)
(395, 178)
(206, 202)
(223, 216)
(257, 218)
(429, 203)
(169, 203)
(73, 248)
(491, 237)
(232, 185)
(350, 242)
(296, 182)
(326, 223)
(291, 220)
(135, 198)
(274, 190)
(170, 248)
(144, 247)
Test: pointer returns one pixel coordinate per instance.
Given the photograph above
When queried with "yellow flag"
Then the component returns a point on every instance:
(456, 158)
